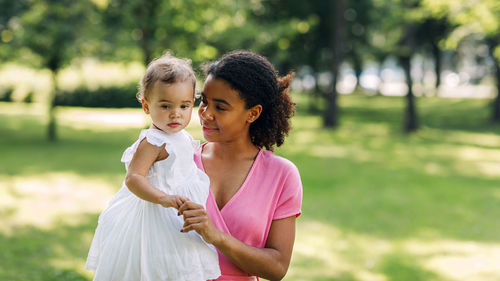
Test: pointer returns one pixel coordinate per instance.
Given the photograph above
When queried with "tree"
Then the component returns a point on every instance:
(431, 33)
(143, 29)
(336, 38)
(359, 18)
(469, 19)
(407, 48)
(310, 34)
(53, 31)
(9, 14)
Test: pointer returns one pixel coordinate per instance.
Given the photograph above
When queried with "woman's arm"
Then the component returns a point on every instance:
(270, 262)
(144, 157)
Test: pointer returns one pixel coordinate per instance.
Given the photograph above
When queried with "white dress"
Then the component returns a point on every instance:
(137, 240)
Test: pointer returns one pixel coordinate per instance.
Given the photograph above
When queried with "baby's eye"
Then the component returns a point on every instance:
(184, 106)
(164, 106)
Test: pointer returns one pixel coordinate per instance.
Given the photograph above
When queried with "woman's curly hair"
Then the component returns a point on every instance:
(257, 82)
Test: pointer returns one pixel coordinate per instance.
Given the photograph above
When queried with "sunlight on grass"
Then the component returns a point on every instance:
(101, 119)
(12, 109)
(458, 260)
(439, 152)
(104, 119)
(62, 261)
(46, 199)
(484, 139)
(323, 251)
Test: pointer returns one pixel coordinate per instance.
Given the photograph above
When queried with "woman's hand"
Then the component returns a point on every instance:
(196, 218)
(174, 201)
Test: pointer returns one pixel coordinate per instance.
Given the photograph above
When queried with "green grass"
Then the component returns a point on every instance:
(378, 204)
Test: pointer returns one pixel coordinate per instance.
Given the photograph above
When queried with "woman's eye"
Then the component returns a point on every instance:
(218, 107)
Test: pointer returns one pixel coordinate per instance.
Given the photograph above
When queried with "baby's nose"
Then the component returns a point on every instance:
(175, 113)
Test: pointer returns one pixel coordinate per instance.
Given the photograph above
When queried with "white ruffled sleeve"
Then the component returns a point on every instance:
(153, 136)
(194, 143)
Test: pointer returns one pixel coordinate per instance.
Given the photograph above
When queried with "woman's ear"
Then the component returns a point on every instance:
(254, 113)
(145, 106)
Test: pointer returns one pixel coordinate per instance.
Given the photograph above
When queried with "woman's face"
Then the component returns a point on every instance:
(223, 114)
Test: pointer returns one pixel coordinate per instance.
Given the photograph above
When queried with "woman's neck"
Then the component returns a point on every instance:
(240, 149)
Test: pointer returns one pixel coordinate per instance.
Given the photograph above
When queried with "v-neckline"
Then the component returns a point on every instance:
(242, 186)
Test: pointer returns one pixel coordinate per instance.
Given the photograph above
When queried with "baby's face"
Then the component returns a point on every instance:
(170, 105)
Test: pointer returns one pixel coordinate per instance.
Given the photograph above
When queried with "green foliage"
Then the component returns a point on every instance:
(53, 29)
(115, 96)
(9, 23)
(469, 18)
(142, 29)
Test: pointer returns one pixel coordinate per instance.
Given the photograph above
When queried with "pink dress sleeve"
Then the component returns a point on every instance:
(290, 200)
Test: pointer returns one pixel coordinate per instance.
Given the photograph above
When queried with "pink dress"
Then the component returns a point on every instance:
(271, 191)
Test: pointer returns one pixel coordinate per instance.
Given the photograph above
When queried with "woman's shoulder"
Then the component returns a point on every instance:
(274, 163)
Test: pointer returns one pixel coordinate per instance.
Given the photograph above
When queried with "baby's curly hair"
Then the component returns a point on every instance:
(257, 82)
(167, 69)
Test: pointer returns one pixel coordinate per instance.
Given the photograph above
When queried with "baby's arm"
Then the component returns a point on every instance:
(144, 157)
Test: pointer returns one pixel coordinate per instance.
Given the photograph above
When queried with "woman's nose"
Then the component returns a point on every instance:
(204, 114)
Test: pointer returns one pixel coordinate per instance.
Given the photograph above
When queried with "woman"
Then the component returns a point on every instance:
(255, 195)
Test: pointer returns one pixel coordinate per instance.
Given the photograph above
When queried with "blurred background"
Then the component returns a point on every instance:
(396, 134)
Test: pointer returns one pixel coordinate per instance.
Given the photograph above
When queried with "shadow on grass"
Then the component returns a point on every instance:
(396, 204)
(368, 177)
(34, 254)
(368, 198)
(400, 267)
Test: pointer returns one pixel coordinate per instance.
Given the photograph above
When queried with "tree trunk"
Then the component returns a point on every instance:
(406, 51)
(51, 128)
(496, 101)
(147, 16)
(315, 98)
(146, 48)
(331, 112)
(492, 45)
(436, 53)
(358, 67)
(411, 123)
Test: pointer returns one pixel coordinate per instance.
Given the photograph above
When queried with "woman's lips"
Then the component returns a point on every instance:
(208, 129)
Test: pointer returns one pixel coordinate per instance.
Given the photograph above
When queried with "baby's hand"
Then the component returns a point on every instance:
(174, 201)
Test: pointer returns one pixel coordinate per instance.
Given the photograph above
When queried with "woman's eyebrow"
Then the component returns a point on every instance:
(222, 101)
(216, 100)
